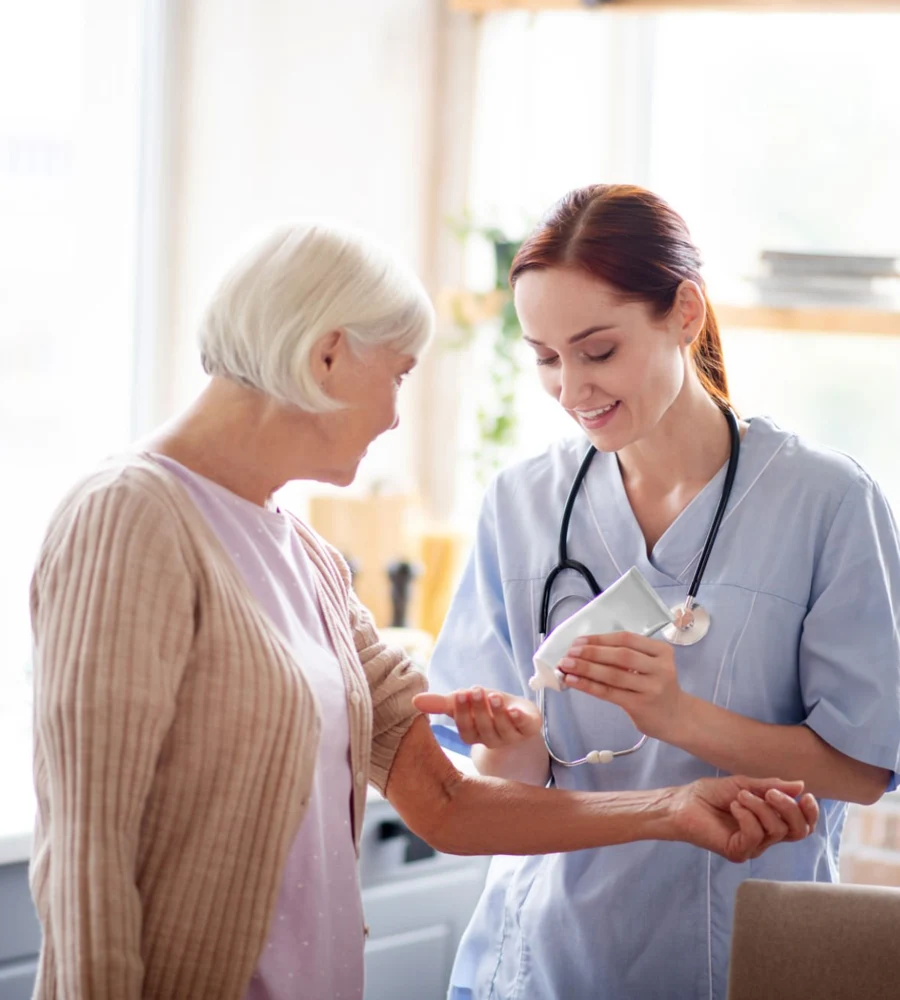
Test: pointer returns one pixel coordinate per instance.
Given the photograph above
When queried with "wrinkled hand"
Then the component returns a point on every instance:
(493, 718)
(630, 671)
(740, 817)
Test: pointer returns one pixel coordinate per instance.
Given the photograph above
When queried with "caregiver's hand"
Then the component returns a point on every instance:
(739, 817)
(635, 673)
(492, 718)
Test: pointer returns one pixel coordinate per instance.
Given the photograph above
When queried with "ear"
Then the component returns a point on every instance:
(326, 353)
(689, 312)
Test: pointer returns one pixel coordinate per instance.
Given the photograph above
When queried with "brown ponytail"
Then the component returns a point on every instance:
(708, 360)
(631, 239)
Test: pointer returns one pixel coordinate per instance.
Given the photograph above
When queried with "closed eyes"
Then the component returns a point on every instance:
(597, 358)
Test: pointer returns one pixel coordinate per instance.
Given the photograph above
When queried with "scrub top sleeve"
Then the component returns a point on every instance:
(474, 644)
(850, 645)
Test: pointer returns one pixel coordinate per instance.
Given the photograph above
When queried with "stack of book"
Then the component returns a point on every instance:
(822, 279)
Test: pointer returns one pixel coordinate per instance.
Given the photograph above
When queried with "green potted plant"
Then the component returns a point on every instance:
(491, 314)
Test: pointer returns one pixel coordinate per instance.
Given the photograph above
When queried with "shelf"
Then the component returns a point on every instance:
(810, 319)
(472, 308)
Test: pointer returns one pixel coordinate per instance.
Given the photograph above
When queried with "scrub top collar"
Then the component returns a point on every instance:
(675, 555)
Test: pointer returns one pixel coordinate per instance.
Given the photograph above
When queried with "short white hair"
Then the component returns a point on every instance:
(298, 284)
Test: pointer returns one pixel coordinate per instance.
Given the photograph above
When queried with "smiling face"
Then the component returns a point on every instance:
(611, 364)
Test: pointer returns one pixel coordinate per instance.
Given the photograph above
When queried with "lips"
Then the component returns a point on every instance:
(593, 414)
(598, 417)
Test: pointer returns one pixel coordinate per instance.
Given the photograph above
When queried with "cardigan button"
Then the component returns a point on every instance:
(355, 697)
(361, 777)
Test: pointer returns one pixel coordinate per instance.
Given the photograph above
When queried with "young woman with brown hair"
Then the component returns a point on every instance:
(780, 557)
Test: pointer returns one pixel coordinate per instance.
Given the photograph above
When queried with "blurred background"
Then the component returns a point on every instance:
(142, 140)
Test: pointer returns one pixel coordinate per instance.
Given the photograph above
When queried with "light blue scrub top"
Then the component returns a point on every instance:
(804, 591)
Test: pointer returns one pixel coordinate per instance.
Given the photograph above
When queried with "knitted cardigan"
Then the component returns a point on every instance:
(175, 740)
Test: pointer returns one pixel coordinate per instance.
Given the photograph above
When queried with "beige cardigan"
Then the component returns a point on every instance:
(175, 742)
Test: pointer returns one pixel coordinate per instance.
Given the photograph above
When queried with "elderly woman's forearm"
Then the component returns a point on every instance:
(459, 814)
(490, 816)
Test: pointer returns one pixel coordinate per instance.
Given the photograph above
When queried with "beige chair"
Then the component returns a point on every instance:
(809, 941)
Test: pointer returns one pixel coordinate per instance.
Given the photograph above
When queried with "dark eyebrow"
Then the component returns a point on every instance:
(576, 337)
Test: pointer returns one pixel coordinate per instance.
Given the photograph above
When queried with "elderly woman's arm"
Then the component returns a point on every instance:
(112, 616)
(736, 817)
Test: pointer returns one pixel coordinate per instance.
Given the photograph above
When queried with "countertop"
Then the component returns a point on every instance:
(15, 833)
(17, 805)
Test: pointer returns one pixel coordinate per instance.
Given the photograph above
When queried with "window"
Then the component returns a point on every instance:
(840, 390)
(777, 132)
(765, 131)
(69, 113)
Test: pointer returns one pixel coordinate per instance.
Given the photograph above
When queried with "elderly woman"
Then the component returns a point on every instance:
(211, 699)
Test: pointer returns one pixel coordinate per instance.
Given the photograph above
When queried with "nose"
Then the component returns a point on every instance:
(574, 388)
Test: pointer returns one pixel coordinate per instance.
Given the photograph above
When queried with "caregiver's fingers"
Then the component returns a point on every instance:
(810, 808)
(759, 786)
(624, 640)
(613, 677)
(482, 718)
(434, 704)
(457, 706)
(465, 723)
(494, 718)
(774, 818)
(507, 722)
(747, 842)
(801, 816)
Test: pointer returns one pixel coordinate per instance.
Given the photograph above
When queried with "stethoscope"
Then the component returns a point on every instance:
(691, 620)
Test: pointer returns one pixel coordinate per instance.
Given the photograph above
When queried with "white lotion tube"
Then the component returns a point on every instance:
(628, 605)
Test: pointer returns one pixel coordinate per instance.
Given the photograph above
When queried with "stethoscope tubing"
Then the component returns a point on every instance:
(564, 563)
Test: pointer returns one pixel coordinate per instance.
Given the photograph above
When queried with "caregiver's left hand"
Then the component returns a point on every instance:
(635, 673)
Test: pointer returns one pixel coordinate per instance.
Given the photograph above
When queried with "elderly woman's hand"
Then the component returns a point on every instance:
(491, 718)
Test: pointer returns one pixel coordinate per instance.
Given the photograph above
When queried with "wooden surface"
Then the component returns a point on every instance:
(474, 308)
(373, 530)
(820, 319)
(848, 6)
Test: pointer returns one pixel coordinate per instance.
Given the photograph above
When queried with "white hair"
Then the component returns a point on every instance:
(300, 283)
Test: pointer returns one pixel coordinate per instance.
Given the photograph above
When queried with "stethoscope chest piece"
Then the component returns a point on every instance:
(690, 626)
